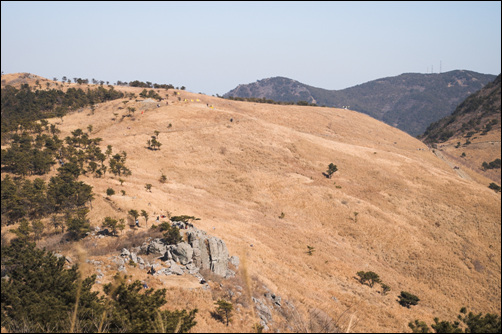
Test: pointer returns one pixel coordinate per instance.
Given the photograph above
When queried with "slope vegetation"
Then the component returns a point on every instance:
(470, 136)
(253, 173)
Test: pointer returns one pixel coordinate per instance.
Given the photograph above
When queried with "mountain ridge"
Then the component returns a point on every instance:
(410, 101)
(470, 136)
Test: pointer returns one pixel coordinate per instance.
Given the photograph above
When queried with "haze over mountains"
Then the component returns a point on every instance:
(410, 101)
(253, 174)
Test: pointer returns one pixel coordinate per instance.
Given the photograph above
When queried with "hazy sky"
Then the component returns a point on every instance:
(211, 47)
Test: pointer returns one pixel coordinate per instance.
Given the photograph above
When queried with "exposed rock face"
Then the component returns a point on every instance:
(200, 252)
(155, 246)
(183, 253)
(218, 255)
(264, 312)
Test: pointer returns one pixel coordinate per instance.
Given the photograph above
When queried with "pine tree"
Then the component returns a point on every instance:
(331, 169)
(135, 310)
(224, 310)
(407, 299)
(369, 276)
(145, 215)
(40, 292)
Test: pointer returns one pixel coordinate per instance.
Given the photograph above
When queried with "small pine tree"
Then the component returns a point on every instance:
(145, 215)
(331, 169)
(224, 310)
(111, 223)
(419, 327)
(310, 250)
(121, 225)
(488, 323)
(172, 234)
(79, 225)
(258, 328)
(369, 276)
(38, 228)
(385, 289)
(135, 310)
(407, 299)
(134, 214)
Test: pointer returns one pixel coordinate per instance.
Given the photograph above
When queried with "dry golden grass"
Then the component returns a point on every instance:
(482, 149)
(420, 226)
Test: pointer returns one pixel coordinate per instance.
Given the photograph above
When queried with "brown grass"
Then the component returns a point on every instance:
(420, 226)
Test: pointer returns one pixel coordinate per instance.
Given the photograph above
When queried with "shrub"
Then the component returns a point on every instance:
(407, 299)
(331, 169)
(492, 165)
(385, 289)
(110, 192)
(488, 323)
(112, 224)
(172, 235)
(495, 187)
(310, 250)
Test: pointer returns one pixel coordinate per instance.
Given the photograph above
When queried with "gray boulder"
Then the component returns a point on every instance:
(201, 253)
(264, 312)
(234, 260)
(125, 253)
(156, 246)
(183, 253)
(175, 268)
(218, 254)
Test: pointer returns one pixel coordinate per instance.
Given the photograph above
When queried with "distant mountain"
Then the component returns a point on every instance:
(470, 136)
(479, 113)
(410, 101)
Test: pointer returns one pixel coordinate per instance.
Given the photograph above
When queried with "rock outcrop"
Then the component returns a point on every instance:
(202, 251)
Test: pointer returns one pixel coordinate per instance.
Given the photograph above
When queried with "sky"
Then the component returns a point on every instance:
(212, 47)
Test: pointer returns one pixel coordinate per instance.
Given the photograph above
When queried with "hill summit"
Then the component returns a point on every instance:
(258, 177)
(410, 101)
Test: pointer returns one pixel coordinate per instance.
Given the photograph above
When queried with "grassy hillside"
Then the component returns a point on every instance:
(253, 173)
(470, 136)
(410, 101)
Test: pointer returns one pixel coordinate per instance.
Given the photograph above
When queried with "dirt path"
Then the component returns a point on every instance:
(460, 172)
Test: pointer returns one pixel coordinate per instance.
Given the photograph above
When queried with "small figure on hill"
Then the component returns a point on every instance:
(151, 271)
